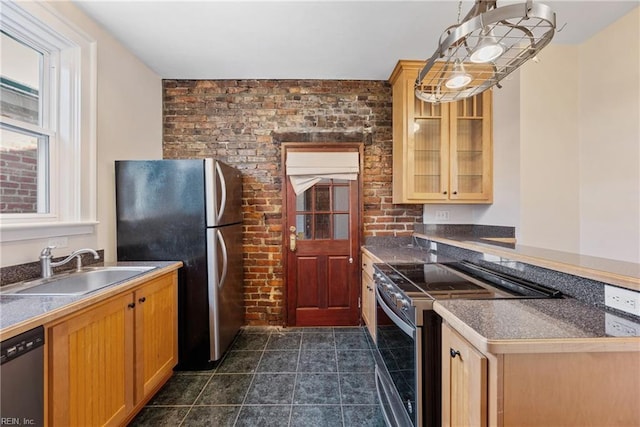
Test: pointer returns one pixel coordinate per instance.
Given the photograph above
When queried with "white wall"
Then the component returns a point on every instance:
(610, 141)
(581, 145)
(549, 148)
(129, 126)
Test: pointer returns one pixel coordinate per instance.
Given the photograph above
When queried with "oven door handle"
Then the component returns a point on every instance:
(407, 328)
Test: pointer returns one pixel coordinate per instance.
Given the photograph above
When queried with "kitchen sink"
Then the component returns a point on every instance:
(90, 279)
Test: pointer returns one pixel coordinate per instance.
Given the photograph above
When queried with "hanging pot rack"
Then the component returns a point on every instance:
(458, 70)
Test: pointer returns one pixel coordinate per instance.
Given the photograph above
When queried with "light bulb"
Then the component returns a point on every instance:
(487, 50)
(486, 53)
(459, 78)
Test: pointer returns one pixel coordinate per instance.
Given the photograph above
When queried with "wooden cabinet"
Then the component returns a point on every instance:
(560, 384)
(90, 366)
(464, 382)
(442, 153)
(368, 298)
(156, 324)
(105, 361)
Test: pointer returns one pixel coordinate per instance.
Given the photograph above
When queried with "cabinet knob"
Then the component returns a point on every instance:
(455, 192)
(141, 300)
(444, 192)
(131, 305)
(454, 353)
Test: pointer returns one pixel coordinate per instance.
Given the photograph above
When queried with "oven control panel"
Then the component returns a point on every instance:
(393, 295)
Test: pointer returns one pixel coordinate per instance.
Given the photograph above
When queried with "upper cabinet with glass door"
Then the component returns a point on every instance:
(442, 153)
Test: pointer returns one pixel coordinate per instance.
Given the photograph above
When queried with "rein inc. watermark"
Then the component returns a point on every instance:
(17, 421)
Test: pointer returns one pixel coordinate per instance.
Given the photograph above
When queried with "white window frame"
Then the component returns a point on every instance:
(71, 120)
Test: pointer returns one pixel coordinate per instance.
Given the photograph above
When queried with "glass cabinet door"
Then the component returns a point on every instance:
(429, 167)
(471, 148)
(442, 152)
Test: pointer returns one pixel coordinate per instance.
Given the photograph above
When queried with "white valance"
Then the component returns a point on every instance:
(305, 169)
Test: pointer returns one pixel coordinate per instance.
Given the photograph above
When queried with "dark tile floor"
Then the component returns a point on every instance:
(276, 377)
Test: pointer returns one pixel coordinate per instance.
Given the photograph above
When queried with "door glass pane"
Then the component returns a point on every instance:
(322, 198)
(340, 198)
(322, 223)
(303, 201)
(304, 229)
(24, 178)
(20, 81)
(340, 226)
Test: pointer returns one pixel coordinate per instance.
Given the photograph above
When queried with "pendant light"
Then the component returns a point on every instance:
(487, 45)
(459, 78)
(488, 49)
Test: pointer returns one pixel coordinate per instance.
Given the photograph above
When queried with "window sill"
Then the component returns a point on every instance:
(17, 232)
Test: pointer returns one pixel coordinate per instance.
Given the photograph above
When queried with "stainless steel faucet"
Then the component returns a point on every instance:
(47, 265)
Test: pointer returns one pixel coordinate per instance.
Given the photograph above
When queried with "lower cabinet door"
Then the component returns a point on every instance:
(93, 355)
(156, 334)
(464, 382)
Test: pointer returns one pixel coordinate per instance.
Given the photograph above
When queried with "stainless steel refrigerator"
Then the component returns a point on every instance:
(188, 210)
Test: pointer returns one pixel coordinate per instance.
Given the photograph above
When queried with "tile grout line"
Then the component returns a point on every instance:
(295, 380)
(253, 377)
(213, 371)
(335, 347)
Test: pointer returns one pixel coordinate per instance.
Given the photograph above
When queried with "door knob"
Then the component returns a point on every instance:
(292, 239)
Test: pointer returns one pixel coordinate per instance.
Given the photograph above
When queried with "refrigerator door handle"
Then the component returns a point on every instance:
(223, 198)
(225, 259)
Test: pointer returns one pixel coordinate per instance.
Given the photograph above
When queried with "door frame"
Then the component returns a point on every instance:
(355, 245)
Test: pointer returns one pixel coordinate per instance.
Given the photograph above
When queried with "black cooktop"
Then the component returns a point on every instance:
(429, 278)
(436, 280)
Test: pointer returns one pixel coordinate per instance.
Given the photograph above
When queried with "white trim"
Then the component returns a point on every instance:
(19, 232)
(73, 76)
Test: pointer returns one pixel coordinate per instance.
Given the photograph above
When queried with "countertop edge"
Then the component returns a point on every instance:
(589, 273)
(550, 345)
(371, 254)
(91, 299)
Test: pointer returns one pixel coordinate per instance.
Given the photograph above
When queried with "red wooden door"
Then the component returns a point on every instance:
(322, 246)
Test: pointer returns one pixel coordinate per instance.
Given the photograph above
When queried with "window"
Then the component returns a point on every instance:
(47, 124)
(25, 131)
(322, 211)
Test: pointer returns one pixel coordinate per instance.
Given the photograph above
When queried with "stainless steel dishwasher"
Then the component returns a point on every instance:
(22, 379)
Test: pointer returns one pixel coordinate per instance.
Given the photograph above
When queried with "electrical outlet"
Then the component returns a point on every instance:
(619, 327)
(442, 215)
(58, 242)
(622, 299)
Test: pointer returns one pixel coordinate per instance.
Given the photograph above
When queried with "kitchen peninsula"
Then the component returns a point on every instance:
(568, 361)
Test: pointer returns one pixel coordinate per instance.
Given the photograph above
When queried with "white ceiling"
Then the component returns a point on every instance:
(304, 39)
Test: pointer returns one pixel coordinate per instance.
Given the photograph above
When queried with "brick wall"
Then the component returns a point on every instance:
(18, 181)
(243, 123)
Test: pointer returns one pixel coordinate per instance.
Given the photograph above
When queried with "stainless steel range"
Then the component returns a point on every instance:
(408, 330)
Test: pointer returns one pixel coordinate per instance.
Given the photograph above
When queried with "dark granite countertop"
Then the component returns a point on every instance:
(401, 254)
(504, 326)
(620, 273)
(19, 313)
